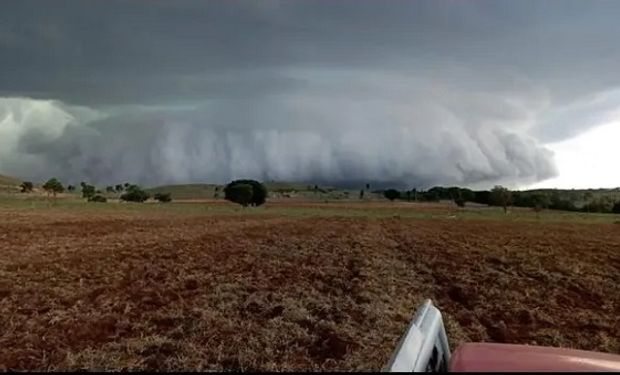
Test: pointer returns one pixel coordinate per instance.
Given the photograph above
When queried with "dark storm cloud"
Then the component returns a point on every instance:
(420, 92)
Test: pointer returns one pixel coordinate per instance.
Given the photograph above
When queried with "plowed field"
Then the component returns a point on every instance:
(164, 289)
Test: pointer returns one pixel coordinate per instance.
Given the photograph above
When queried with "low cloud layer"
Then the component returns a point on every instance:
(412, 93)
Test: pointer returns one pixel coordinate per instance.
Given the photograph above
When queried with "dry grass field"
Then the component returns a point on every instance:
(291, 286)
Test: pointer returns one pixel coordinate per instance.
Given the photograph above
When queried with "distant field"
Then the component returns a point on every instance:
(208, 285)
(187, 191)
(276, 190)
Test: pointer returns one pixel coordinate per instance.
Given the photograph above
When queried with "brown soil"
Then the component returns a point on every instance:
(178, 292)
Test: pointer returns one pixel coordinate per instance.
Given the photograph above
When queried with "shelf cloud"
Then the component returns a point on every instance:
(414, 93)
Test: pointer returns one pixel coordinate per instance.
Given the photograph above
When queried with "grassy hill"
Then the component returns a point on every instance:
(9, 181)
(9, 184)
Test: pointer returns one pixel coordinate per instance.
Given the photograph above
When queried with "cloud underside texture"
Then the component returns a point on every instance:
(410, 93)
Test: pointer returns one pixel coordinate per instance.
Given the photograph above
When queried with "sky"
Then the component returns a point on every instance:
(587, 161)
(400, 93)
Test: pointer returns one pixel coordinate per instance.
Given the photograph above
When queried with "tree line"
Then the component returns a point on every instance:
(128, 192)
(253, 193)
(503, 197)
(244, 192)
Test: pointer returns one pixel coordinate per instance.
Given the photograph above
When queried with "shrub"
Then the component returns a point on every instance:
(163, 197)
(259, 191)
(133, 193)
(616, 208)
(460, 201)
(26, 187)
(98, 198)
(239, 193)
(391, 194)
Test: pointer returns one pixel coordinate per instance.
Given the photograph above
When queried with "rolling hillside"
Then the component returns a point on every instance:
(9, 184)
(9, 181)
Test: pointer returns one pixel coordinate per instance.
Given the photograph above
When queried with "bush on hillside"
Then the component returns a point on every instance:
(163, 197)
(133, 193)
(98, 199)
(391, 194)
(460, 201)
(26, 187)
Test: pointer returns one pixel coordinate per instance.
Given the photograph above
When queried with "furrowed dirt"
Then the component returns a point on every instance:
(105, 290)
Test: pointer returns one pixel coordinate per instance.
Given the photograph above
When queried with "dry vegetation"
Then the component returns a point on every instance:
(168, 289)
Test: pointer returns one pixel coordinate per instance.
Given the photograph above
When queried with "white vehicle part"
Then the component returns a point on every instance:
(424, 346)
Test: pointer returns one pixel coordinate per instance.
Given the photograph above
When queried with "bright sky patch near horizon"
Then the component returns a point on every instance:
(587, 161)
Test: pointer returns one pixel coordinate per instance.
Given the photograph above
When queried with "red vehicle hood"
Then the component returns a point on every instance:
(505, 357)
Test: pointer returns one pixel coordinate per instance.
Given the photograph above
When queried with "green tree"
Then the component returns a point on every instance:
(239, 193)
(88, 191)
(26, 187)
(431, 196)
(109, 189)
(616, 208)
(468, 195)
(540, 201)
(362, 194)
(558, 202)
(133, 193)
(391, 194)
(259, 191)
(70, 188)
(53, 186)
(482, 197)
(501, 196)
(119, 188)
